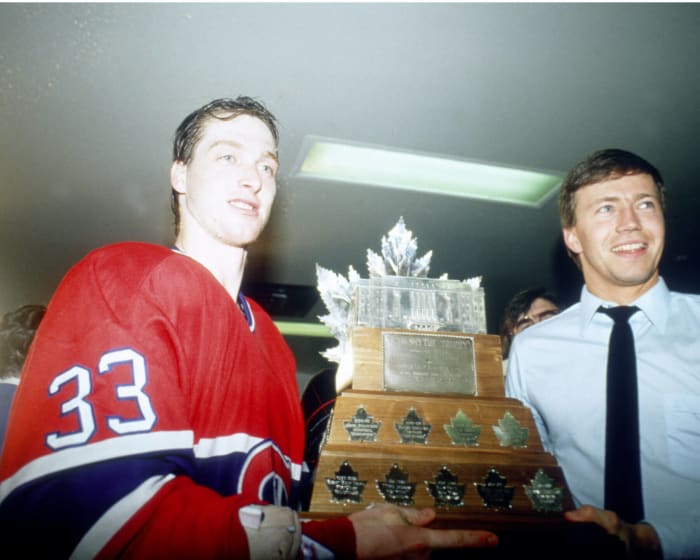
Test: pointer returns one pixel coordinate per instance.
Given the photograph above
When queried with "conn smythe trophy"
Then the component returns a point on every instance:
(421, 417)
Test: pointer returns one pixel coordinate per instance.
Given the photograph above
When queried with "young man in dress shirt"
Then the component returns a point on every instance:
(612, 213)
(159, 416)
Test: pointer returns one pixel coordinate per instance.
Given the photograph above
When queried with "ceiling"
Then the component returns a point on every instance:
(90, 95)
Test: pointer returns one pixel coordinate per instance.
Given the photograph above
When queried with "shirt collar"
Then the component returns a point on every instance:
(654, 303)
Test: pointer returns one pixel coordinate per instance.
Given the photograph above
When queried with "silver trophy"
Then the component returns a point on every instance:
(398, 294)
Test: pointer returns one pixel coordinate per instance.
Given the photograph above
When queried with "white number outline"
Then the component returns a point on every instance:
(86, 417)
(132, 391)
(80, 404)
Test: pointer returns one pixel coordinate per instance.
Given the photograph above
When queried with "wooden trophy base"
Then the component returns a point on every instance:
(437, 451)
(517, 492)
(475, 457)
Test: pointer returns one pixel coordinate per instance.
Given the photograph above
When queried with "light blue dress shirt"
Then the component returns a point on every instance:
(558, 369)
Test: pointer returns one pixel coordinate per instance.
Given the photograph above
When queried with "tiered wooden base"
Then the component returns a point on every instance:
(468, 475)
(477, 459)
(517, 492)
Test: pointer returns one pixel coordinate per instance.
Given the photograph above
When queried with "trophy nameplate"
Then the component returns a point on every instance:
(436, 359)
(421, 362)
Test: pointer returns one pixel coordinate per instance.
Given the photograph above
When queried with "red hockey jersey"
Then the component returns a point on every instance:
(148, 413)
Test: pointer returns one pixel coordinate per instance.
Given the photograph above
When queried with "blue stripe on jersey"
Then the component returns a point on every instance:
(228, 464)
(124, 446)
(115, 518)
(207, 448)
(46, 518)
(62, 496)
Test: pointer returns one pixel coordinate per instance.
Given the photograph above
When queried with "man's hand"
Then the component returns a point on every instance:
(641, 540)
(387, 531)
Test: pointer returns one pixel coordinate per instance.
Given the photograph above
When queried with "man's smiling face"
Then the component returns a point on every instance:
(619, 236)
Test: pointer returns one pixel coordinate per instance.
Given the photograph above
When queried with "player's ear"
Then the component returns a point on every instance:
(572, 241)
(178, 177)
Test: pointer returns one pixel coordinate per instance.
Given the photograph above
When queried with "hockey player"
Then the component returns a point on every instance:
(158, 414)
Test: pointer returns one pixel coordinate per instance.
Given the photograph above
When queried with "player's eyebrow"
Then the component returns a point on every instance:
(235, 144)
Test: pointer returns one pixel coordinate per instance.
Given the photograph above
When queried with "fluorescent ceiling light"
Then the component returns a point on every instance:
(336, 160)
(296, 328)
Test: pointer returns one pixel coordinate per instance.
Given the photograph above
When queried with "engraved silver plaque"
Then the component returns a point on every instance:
(413, 429)
(446, 489)
(462, 431)
(494, 491)
(543, 495)
(362, 426)
(428, 363)
(346, 486)
(395, 488)
(509, 431)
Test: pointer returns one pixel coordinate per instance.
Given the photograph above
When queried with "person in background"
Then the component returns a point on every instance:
(17, 330)
(317, 403)
(159, 415)
(611, 206)
(525, 308)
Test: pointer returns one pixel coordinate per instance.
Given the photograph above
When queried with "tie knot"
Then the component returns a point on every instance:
(620, 314)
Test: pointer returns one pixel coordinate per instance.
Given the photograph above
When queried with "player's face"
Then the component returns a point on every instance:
(619, 235)
(230, 184)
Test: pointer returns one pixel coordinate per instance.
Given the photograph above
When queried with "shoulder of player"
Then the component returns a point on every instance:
(123, 253)
(135, 259)
(127, 265)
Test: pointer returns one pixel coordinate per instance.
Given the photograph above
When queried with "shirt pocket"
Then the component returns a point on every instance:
(682, 413)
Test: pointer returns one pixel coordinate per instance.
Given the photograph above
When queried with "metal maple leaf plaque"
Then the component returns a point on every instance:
(395, 488)
(462, 431)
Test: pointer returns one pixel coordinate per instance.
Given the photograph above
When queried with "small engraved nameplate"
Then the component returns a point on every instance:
(395, 488)
(509, 432)
(413, 429)
(462, 431)
(428, 363)
(494, 492)
(346, 486)
(362, 426)
(543, 495)
(446, 489)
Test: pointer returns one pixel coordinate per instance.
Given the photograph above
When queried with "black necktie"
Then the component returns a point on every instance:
(623, 477)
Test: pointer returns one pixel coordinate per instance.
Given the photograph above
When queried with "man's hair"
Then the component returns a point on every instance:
(17, 330)
(600, 166)
(519, 304)
(191, 129)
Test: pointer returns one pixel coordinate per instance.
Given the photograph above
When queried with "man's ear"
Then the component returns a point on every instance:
(178, 177)
(572, 241)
